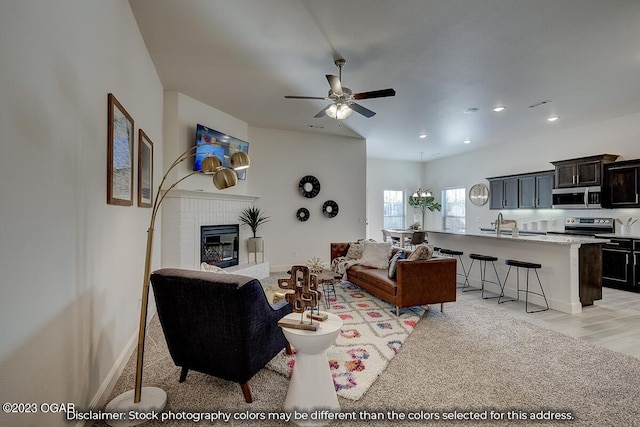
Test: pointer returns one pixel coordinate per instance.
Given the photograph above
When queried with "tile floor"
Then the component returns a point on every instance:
(612, 322)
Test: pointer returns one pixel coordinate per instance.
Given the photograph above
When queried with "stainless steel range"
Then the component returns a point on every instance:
(587, 226)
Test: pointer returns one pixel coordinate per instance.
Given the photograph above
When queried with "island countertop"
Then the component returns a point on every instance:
(571, 272)
(557, 239)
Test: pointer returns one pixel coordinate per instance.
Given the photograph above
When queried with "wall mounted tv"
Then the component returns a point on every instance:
(223, 147)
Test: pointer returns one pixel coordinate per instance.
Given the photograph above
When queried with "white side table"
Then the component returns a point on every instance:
(311, 387)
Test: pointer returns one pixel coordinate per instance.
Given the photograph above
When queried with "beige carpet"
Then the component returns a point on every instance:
(471, 358)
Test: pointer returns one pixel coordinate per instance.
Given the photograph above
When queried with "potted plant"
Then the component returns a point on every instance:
(254, 218)
(423, 200)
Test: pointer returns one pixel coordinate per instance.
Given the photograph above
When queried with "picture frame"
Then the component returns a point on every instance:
(145, 170)
(120, 154)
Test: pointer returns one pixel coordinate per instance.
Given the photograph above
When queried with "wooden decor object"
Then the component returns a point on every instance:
(305, 295)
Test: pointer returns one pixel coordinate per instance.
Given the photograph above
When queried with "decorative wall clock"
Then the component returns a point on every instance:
(479, 194)
(330, 209)
(302, 214)
(309, 186)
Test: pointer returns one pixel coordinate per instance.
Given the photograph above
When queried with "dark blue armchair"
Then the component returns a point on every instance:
(218, 324)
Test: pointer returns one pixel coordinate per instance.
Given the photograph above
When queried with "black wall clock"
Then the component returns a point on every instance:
(302, 214)
(330, 209)
(309, 186)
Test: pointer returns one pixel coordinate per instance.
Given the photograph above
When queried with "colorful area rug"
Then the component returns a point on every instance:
(372, 334)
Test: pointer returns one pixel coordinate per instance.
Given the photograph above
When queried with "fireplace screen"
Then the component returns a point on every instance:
(219, 245)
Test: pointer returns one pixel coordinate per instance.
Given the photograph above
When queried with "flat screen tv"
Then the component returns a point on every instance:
(223, 147)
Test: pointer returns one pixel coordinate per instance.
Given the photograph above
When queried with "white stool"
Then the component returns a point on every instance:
(311, 387)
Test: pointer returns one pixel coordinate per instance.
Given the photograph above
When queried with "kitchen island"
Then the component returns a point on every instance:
(571, 272)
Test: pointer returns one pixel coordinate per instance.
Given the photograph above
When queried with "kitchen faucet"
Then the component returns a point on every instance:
(501, 221)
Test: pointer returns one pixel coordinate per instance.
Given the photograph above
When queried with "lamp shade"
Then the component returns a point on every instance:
(339, 111)
(211, 164)
(240, 160)
(225, 178)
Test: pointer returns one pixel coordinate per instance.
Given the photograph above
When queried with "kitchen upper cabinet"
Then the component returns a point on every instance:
(535, 190)
(503, 193)
(526, 191)
(621, 187)
(581, 172)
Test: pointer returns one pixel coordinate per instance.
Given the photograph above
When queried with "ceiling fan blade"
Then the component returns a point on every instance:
(374, 94)
(322, 113)
(362, 110)
(305, 97)
(334, 82)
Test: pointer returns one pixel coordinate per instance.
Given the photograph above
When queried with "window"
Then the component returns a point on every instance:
(393, 209)
(453, 209)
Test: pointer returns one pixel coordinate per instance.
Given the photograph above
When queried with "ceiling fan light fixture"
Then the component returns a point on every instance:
(339, 111)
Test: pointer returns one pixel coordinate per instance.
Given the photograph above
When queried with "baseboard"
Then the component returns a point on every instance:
(116, 370)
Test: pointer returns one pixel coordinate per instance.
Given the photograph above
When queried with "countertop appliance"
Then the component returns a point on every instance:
(587, 226)
(576, 198)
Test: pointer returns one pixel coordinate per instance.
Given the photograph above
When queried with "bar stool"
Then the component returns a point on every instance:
(453, 253)
(529, 266)
(482, 262)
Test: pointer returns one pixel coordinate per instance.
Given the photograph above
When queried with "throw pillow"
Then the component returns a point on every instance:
(421, 252)
(354, 251)
(212, 268)
(376, 254)
(393, 263)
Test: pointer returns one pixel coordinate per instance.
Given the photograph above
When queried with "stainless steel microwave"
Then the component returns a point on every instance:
(576, 198)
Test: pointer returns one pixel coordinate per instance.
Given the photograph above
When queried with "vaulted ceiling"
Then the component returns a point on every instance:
(576, 59)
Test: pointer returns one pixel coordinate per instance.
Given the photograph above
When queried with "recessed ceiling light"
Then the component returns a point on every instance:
(553, 118)
(423, 135)
(467, 141)
(471, 110)
(499, 108)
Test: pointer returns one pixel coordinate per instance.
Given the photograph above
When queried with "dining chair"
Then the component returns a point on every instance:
(417, 238)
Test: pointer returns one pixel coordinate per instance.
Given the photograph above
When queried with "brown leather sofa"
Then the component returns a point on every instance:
(417, 282)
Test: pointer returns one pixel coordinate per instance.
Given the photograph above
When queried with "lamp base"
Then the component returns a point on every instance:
(152, 399)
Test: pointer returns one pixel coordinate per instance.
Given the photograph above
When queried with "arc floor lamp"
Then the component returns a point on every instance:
(148, 399)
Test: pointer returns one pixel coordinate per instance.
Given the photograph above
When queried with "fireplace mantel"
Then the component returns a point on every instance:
(192, 194)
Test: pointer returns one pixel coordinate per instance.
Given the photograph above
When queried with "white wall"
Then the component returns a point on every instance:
(390, 175)
(181, 115)
(71, 264)
(278, 160)
(618, 136)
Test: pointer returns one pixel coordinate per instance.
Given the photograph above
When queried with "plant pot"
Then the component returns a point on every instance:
(255, 245)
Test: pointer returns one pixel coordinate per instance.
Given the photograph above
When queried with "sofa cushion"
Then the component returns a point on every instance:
(421, 252)
(354, 251)
(378, 278)
(393, 263)
(376, 254)
(212, 268)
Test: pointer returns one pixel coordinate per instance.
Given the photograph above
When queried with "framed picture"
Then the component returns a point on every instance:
(145, 170)
(120, 157)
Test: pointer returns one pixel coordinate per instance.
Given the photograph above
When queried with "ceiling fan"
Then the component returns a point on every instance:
(343, 98)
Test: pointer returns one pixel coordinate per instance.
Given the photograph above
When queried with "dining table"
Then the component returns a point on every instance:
(401, 235)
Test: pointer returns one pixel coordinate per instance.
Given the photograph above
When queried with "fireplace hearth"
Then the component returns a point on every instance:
(219, 244)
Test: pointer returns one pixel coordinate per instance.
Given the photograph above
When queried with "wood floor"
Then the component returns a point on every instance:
(613, 322)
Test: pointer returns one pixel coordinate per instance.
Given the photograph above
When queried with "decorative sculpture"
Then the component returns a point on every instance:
(305, 296)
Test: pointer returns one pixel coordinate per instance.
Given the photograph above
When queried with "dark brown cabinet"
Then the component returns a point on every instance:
(581, 172)
(621, 187)
(621, 264)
